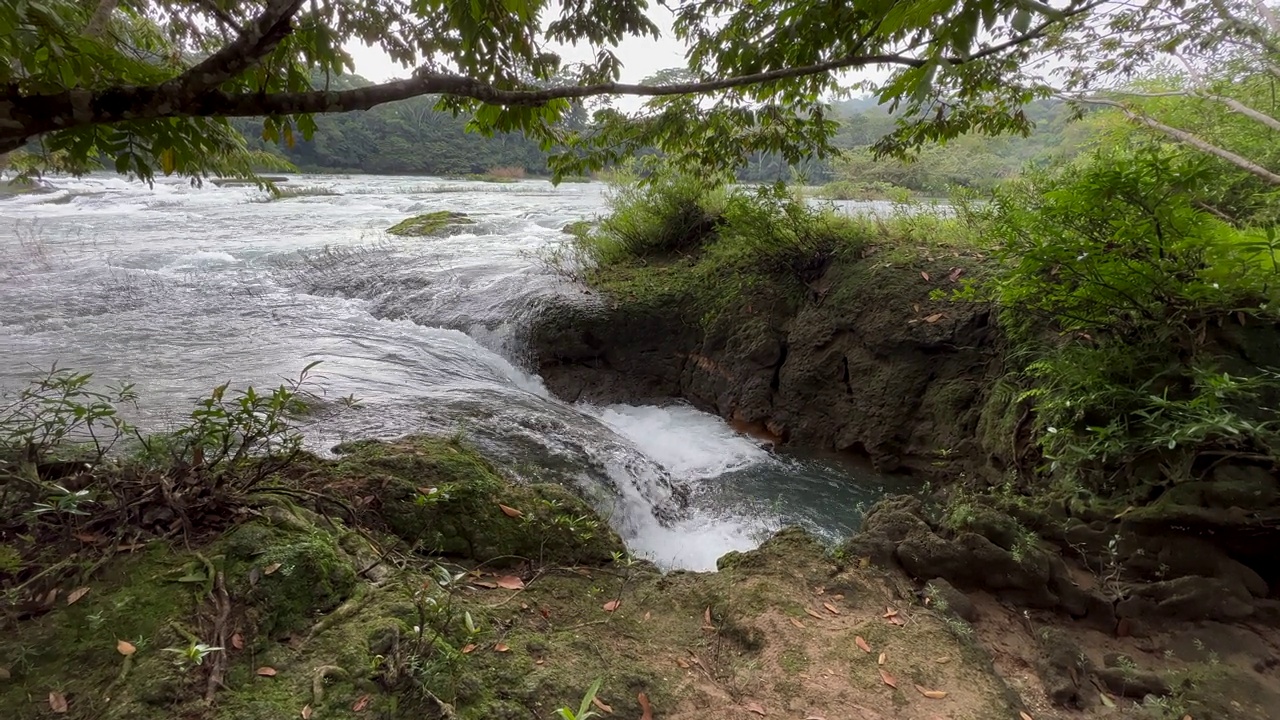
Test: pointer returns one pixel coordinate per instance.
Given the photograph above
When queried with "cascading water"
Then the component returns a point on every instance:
(180, 289)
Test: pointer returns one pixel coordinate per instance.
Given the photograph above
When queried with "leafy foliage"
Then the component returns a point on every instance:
(1117, 286)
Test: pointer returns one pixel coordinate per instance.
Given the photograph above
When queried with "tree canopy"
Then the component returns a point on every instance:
(149, 83)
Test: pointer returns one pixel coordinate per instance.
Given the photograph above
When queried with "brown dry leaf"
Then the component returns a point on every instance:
(237, 641)
(890, 612)
(361, 704)
(487, 584)
(813, 613)
(600, 704)
(955, 274)
(1025, 716)
(646, 712)
(915, 307)
(428, 490)
(89, 538)
(814, 717)
(468, 648)
(888, 679)
(933, 318)
(895, 620)
(943, 659)
(882, 659)
(706, 618)
(837, 597)
(126, 648)
(862, 644)
(510, 582)
(306, 712)
(266, 671)
(797, 623)
(74, 596)
(819, 590)
(756, 708)
(925, 275)
(831, 608)
(682, 663)
(57, 702)
(545, 612)
(501, 647)
(931, 694)
(539, 661)
(612, 605)
(648, 615)
(510, 511)
(270, 568)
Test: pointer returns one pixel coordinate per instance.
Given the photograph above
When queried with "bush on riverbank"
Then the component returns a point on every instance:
(1145, 326)
(675, 239)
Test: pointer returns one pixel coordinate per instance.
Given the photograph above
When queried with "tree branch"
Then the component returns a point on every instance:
(1185, 138)
(195, 93)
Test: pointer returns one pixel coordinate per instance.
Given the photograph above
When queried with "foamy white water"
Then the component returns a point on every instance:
(180, 289)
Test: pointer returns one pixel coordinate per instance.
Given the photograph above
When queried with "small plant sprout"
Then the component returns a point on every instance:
(584, 708)
(194, 654)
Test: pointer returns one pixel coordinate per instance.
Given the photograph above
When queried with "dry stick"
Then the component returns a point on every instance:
(217, 670)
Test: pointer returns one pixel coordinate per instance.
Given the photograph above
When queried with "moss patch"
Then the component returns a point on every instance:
(443, 222)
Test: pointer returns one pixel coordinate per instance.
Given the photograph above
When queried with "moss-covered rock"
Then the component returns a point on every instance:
(440, 223)
(443, 497)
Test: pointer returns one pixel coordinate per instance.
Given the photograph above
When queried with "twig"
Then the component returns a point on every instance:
(217, 669)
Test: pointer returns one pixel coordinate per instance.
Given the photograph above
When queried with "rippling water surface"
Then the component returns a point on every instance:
(180, 289)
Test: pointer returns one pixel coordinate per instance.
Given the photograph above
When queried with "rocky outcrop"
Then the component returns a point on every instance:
(865, 363)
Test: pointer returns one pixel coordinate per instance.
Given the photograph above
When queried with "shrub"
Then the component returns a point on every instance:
(1116, 286)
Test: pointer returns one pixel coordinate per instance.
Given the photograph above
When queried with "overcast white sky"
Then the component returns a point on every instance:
(640, 57)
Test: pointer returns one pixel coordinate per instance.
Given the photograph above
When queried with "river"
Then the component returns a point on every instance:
(179, 289)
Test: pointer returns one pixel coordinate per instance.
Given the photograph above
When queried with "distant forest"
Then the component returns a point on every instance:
(412, 137)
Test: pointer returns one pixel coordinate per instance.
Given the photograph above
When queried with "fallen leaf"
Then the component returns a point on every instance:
(706, 619)
(890, 612)
(916, 307)
(501, 647)
(4, 673)
(524, 606)
(53, 595)
(1025, 716)
(955, 274)
(306, 712)
(57, 702)
(545, 612)
(943, 659)
(237, 641)
(933, 318)
(756, 708)
(814, 717)
(882, 659)
(428, 490)
(837, 597)
(682, 663)
(612, 605)
(813, 613)
(489, 584)
(895, 620)
(931, 694)
(266, 671)
(510, 582)
(89, 538)
(831, 608)
(468, 648)
(603, 707)
(539, 661)
(862, 644)
(1106, 701)
(797, 623)
(925, 275)
(819, 590)
(74, 596)
(126, 648)
(646, 712)
(510, 511)
(888, 679)
(361, 704)
(270, 569)
(648, 615)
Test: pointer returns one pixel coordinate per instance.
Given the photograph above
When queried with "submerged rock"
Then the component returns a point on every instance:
(432, 224)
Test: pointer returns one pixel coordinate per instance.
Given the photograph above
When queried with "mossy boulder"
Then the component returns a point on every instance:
(432, 224)
(443, 497)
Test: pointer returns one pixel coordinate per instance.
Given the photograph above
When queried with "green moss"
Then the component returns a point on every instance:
(443, 222)
(443, 497)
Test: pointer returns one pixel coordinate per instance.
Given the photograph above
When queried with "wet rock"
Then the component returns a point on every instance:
(945, 598)
(1064, 671)
(1187, 598)
(971, 560)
